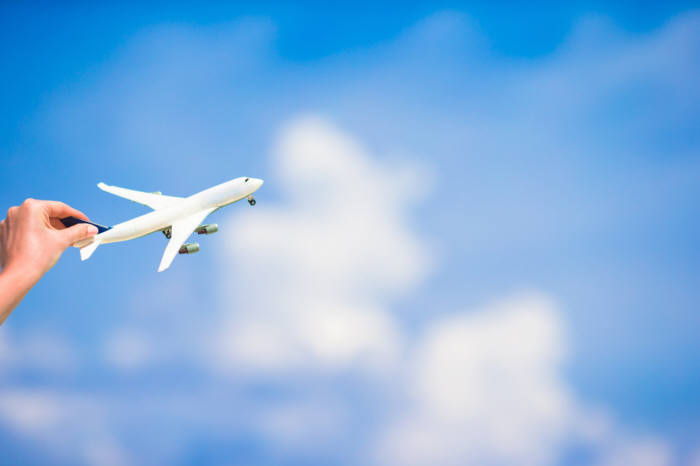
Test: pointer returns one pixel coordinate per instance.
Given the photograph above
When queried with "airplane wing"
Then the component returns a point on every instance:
(152, 200)
(181, 230)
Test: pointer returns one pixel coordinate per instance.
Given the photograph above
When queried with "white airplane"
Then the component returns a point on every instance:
(176, 217)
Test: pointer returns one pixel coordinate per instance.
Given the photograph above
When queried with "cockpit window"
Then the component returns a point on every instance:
(246, 180)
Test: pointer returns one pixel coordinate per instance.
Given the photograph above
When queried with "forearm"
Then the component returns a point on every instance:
(14, 285)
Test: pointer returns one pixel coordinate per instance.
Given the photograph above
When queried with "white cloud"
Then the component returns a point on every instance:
(128, 349)
(40, 350)
(612, 445)
(639, 452)
(30, 412)
(485, 388)
(292, 425)
(67, 427)
(314, 275)
(105, 452)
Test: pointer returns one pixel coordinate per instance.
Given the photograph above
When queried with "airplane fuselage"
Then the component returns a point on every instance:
(158, 220)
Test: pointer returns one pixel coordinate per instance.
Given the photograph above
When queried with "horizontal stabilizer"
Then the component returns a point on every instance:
(86, 251)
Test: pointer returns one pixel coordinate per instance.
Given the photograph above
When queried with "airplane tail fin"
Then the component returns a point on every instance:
(86, 251)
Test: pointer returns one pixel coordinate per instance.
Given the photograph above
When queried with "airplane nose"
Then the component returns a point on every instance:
(258, 182)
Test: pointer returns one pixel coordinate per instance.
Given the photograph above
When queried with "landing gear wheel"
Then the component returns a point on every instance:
(251, 200)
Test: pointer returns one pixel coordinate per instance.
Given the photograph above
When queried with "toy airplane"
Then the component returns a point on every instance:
(176, 217)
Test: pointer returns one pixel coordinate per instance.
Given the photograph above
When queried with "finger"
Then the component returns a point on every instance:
(77, 233)
(56, 224)
(60, 210)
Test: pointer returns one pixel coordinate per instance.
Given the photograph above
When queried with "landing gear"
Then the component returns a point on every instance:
(251, 200)
(168, 232)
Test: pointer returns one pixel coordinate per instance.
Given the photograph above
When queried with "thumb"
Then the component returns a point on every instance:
(78, 232)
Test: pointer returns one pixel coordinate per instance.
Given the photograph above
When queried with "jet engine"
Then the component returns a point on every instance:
(189, 248)
(207, 229)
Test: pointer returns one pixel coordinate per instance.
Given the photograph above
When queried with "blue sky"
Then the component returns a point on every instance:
(456, 195)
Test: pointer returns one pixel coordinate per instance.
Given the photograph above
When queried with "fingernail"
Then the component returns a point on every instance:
(91, 230)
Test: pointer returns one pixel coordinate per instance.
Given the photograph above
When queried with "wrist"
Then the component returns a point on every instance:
(15, 282)
(20, 277)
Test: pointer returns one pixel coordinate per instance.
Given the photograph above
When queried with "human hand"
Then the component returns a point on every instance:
(32, 238)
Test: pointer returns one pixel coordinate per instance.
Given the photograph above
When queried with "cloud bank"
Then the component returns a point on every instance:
(310, 297)
(316, 273)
